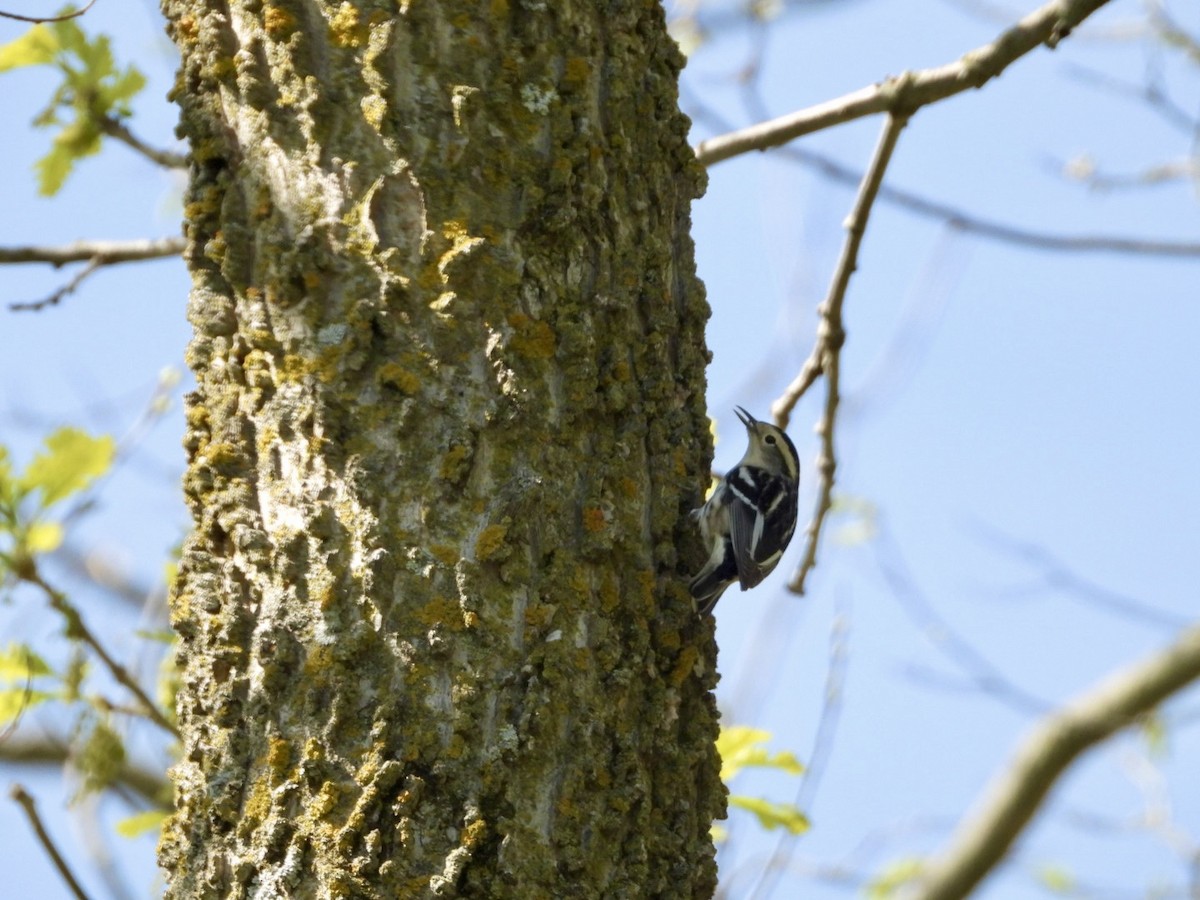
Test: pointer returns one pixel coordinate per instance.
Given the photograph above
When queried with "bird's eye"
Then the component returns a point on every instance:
(770, 438)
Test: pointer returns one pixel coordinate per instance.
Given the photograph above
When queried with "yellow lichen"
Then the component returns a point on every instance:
(279, 756)
(474, 834)
(293, 367)
(257, 804)
(490, 541)
(394, 375)
(576, 70)
(453, 463)
(646, 582)
(346, 29)
(610, 595)
(186, 27)
(539, 615)
(684, 665)
(439, 611)
(325, 801)
(532, 338)
(594, 519)
(373, 109)
(278, 22)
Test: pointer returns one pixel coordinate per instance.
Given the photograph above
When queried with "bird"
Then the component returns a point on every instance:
(750, 517)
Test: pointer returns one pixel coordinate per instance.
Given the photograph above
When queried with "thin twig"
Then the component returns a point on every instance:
(117, 130)
(108, 252)
(1153, 95)
(27, 803)
(77, 628)
(54, 298)
(826, 355)
(910, 91)
(818, 760)
(984, 838)
(1085, 172)
(38, 20)
(1057, 575)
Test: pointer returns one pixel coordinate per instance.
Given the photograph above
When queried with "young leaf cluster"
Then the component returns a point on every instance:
(742, 747)
(93, 90)
(67, 464)
(69, 461)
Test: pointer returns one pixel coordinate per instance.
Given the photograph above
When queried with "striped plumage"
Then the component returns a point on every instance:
(751, 515)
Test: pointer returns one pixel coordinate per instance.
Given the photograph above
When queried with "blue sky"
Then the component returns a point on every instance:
(989, 390)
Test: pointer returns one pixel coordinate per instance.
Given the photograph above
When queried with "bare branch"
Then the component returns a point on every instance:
(108, 252)
(26, 802)
(77, 628)
(37, 20)
(967, 222)
(142, 780)
(908, 92)
(826, 355)
(916, 606)
(1009, 234)
(983, 839)
(117, 130)
(1057, 575)
(1172, 34)
(97, 255)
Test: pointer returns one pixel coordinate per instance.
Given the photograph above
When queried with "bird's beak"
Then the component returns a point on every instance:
(745, 417)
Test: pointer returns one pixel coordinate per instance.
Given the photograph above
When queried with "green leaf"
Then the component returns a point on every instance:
(78, 139)
(36, 47)
(70, 36)
(92, 88)
(141, 823)
(8, 490)
(895, 876)
(1154, 732)
(70, 462)
(43, 537)
(73, 676)
(1056, 878)
(741, 747)
(123, 88)
(53, 169)
(164, 636)
(100, 759)
(15, 700)
(773, 815)
(19, 663)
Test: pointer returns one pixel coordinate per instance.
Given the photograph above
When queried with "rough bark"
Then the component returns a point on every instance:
(449, 418)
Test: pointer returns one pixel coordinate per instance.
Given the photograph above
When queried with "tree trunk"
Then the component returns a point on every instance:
(449, 418)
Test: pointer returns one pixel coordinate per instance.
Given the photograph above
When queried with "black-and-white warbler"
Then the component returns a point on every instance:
(751, 515)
